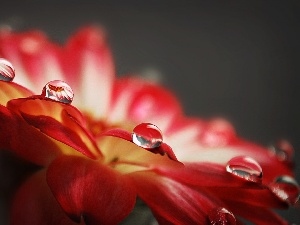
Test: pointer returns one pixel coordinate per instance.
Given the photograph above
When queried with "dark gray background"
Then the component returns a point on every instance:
(237, 59)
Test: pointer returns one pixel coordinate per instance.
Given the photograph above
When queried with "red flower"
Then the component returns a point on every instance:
(93, 166)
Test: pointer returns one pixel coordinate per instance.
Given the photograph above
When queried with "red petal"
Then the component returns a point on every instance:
(56, 130)
(90, 71)
(87, 188)
(254, 197)
(142, 101)
(34, 58)
(173, 202)
(24, 140)
(59, 121)
(257, 215)
(10, 90)
(34, 204)
(222, 184)
(6, 127)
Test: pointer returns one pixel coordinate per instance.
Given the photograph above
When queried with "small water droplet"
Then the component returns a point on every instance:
(59, 91)
(246, 168)
(147, 135)
(7, 71)
(283, 150)
(221, 216)
(286, 188)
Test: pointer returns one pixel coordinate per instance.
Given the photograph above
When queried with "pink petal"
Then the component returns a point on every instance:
(62, 122)
(34, 58)
(89, 70)
(141, 101)
(173, 202)
(215, 141)
(220, 152)
(34, 204)
(85, 188)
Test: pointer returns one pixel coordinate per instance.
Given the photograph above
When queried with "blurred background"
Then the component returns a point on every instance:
(236, 59)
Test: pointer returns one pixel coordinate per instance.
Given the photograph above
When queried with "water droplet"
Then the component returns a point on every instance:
(286, 188)
(221, 216)
(7, 71)
(147, 135)
(59, 91)
(246, 168)
(283, 150)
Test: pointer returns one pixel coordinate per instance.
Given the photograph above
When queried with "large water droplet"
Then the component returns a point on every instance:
(59, 91)
(245, 167)
(283, 150)
(7, 71)
(221, 216)
(147, 135)
(286, 188)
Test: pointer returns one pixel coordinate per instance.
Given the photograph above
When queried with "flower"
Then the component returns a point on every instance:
(123, 138)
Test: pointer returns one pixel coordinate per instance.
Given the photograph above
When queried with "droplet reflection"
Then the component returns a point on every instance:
(221, 216)
(7, 71)
(147, 135)
(59, 91)
(283, 150)
(245, 168)
(286, 188)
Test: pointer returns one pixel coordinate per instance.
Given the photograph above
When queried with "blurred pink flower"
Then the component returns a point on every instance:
(96, 159)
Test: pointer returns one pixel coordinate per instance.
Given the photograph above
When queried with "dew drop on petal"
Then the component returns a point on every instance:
(59, 91)
(221, 216)
(246, 168)
(7, 71)
(147, 135)
(286, 188)
(283, 150)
